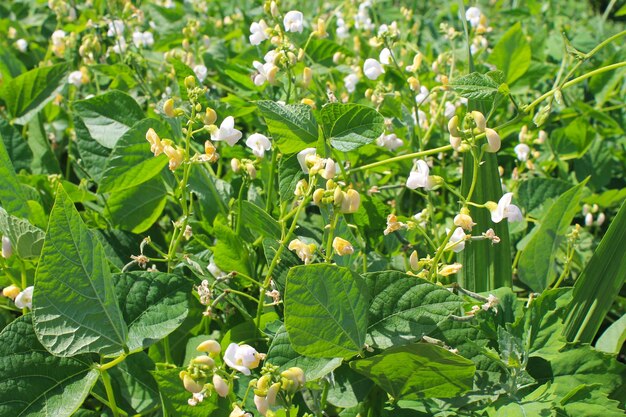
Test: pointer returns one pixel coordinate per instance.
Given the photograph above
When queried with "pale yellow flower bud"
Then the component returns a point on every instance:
(11, 291)
(414, 83)
(210, 151)
(204, 360)
(175, 154)
(318, 195)
(342, 247)
(191, 385)
(350, 202)
(450, 269)
(210, 116)
(493, 140)
(221, 387)
(293, 379)
(464, 221)
(168, 108)
(309, 103)
(190, 81)
(481, 122)
(453, 126)
(455, 142)
(307, 76)
(414, 260)
(156, 146)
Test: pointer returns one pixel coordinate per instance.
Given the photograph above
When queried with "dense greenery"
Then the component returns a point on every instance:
(373, 208)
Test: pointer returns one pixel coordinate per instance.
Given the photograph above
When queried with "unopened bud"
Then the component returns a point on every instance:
(210, 116)
(7, 248)
(204, 360)
(318, 195)
(221, 387)
(309, 103)
(342, 247)
(168, 108)
(235, 165)
(190, 82)
(455, 142)
(11, 291)
(464, 221)
(453, 126)
(307, 76)
(493, 140)
(351, 201)
(414, 83)
(414, 260)
(191, 385)
(481, 122)
(274, 9)
(209, 346)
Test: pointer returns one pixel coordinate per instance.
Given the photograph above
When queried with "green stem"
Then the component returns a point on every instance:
(442, 248)
(281, 248)
(402, 158)
(243, 294)
(240, 207)
(112, 363)
(331, 232)
(165, 342)
(570, 83)
(106, 380)
(270, 185)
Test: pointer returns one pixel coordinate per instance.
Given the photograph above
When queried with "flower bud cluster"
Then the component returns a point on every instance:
(477, 125)
(344, 201)
(275, 389)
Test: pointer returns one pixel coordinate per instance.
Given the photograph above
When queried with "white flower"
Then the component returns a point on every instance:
(342, 28)
(116, 28)
(76, 78)
(120, 46)
(257, 32)
(506, 210)
(143, 39)
(25, 298)
(221, 387)
(259, 144)
(265, 72)
(201, 72)
(242, 358)
(372, 69)
(270, 56)
(420, 178)
(385, 57)
(305, 252)
(7, 249)
(450, 110)
(227, 132)
(457, 240)
(58, 37)
(330, 169)
(21, 45)
(589, 219)
(302, 158)
(472, 15)
(350, 82)
(238, 412)
(391, 141)
(293, 21)
(522, 151)
(423, 96)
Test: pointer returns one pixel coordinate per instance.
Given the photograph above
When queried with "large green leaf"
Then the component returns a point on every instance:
(26, 239)
(17, 148)
(75, 308)
(600, 282)
(348, 388)
(12, 195)
(28, 93)
(405, 308)
(154, 304)
(418, 371)
(289, 173)
(257, 219)
(292, 126)
(326, 311)
(477, 86)
(281, 354)
(108, 116)
(136, 209)
(350, 126)
(537, 264)
(131, 163)
(230, 253)
(35, 383)
(511, 55)
(534, 192)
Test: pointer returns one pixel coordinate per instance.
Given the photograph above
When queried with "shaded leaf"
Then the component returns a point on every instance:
(292, 126)
(350, 126)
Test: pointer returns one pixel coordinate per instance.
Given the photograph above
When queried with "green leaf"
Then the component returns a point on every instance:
(28, 93)
(131, 163)
(230, 253)
(512, 54)
(613, 337)
(326, 311)
(539, 402)
(292, 126)
(136, 209)
(281, 354)
(418, 371)
(599, 283)
(289, 173)
(12, 195)
(588, 401)
(44, 160)
(108, 116)
(255, 218)
(321, 51)
(534, 192)
(75, 308)
(405, 308)
(26, 239)
(174, 397)
(153, 304)
(17, 148)
(92, 157)
(35, 383)
(477, 86)
(350, 126)
(348, 388)
(537, 263)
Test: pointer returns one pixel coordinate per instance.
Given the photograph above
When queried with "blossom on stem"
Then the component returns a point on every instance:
(25, 298)
(304, 251)
(504, 209)
(372, 69)
(342, 247)
(259, 144)
(293, 21)
(227, 132)
(242, 358)
(522, 151)
(420, 178)
(258, 32)
(457, 240)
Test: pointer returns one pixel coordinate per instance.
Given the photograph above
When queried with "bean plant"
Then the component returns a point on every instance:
(343, 208)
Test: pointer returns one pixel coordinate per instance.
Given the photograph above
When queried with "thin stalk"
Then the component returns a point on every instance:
(106, 380)
(331, 232)
(112, 363)
(402, 158)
